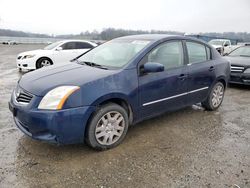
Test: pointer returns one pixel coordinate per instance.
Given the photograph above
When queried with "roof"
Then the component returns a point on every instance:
(219, 39)
(77, 40)
(148, 37)
(73, 40)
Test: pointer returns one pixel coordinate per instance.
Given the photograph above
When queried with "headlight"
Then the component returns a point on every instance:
(55, 98)
(28, 56)
(247, 71)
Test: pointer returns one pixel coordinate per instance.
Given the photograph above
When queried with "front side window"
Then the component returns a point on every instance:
(196, 52)
(169, 54)
(52, 46)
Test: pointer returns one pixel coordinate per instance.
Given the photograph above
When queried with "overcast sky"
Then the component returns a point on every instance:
(74, 16)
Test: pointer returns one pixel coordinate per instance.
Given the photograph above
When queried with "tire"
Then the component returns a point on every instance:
(215, 97)
(108, 127)
(43, 62)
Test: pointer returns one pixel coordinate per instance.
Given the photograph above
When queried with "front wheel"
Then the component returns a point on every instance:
(215, 97)
(43, 62)
(108, 127)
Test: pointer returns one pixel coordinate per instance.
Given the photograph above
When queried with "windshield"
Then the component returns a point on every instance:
(241, 51)
(216, 42)
(53, 45)
(115, 53)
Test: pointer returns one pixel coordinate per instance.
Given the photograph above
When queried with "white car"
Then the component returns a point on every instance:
(223, 46)
(55, 53)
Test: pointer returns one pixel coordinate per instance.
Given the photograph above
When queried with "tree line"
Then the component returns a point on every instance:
(110, 33)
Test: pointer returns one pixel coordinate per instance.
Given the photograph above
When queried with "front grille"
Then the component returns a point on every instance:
(19, 57)
(237, 69)
(23, 96)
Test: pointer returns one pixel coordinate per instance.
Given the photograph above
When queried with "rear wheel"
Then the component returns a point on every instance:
(43, 62)
(108, 127)
(215, 97)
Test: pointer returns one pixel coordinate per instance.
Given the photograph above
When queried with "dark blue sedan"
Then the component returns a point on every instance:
(96, 97)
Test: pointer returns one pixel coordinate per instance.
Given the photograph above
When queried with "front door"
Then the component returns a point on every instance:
(67, 53)
(163, 91)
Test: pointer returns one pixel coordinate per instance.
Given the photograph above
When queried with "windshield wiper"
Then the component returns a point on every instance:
(91, 64)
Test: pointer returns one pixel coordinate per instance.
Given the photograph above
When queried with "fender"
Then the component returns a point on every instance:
(119, 97)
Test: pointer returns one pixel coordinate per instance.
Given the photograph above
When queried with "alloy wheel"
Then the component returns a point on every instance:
(109, 128)
(45, 63)
(217, 95)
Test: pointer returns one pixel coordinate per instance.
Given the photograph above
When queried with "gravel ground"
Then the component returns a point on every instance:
(187, 148)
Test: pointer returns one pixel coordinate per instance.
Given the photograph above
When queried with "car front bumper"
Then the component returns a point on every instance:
(26, 64)
(239, 78)
(55, 126)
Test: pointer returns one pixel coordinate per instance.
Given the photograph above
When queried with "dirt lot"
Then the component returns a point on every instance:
(188, 148)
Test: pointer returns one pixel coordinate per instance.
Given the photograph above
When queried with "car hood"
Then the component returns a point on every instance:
(34, 52)
(39, 82)
(244, 61)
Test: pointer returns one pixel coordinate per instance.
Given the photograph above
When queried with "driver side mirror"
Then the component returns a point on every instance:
(59, 48)
(151, 67)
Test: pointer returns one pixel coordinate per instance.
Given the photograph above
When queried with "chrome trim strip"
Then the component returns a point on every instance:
(164, 99)
(233, 67)
(197, 90)
(233, 70)
(174, 96)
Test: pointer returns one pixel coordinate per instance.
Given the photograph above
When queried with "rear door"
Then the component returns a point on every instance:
(163, 91)
(201, 71)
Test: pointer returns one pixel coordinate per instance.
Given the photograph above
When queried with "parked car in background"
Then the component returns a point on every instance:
(223, 46)
(117, 84)
(58, 52)
(240, 65)
(10, 42)
(243, 43)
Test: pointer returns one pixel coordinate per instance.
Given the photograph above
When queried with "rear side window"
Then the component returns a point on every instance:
(170, 54)
(69, 46)
(196, 52)
(209, 56)
(83, 45)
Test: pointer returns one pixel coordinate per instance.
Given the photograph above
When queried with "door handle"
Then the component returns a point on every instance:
(182, 76)
(211, 68)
